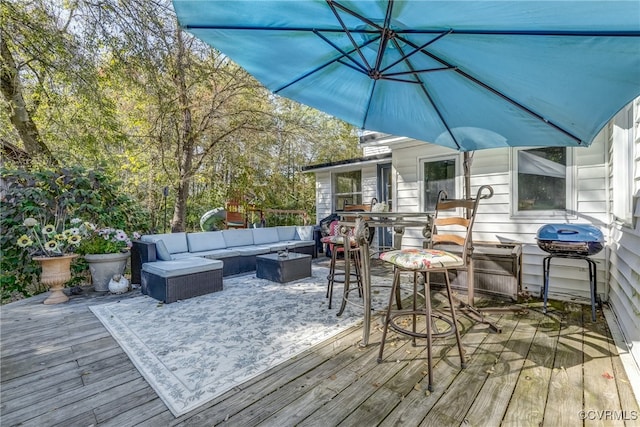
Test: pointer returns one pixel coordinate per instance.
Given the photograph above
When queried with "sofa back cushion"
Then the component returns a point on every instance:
(238, 237)
(205, 241)
(262, 236)
(174, 242)
(304, 232)
(286, 232)
(162, 253)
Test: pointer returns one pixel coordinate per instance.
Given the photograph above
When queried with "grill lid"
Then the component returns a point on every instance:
(570, 239)
(570, 233)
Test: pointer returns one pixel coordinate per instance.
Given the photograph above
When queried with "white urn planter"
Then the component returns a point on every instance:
(104, 266)
(56, 271)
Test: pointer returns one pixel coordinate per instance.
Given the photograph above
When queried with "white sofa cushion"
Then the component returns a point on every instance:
(162, 253)
(305, 232)
(238, 237)
(205, 241)
(286, 232)
(181, 267)
(264, 235)
(252, 250)
(175, 242)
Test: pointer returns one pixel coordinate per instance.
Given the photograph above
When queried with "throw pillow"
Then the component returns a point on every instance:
(162, 253)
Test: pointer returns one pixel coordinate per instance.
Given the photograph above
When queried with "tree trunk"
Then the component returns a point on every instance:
(18, 112)
(186, 140)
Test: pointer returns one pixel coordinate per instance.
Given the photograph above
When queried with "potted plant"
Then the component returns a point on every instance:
(53, 247)
(107, 252)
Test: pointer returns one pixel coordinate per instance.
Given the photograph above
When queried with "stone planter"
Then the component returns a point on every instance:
(104, 266)
(56, 271)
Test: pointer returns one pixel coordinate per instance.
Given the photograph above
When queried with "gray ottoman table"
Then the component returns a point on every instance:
(283, 269)
(169, 281)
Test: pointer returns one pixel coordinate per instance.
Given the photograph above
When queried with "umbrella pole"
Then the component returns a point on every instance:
(469, 308)
(466, 165)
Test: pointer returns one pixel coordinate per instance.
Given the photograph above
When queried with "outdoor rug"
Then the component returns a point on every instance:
(194, 350)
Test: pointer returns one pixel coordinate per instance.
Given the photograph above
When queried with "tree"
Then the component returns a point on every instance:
(118, 85)
(12, 22)
(195, 98)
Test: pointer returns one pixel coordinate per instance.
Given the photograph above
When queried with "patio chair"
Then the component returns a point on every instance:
(346, 244)
(425, 262)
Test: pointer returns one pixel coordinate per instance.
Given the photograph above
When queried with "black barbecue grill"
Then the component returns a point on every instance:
(577, 241)
(570, 239)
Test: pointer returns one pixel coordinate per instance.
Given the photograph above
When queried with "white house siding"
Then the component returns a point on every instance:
(624, 241)
(324, 194)
(369, 182)
(494, 221)
(618, 265)
(324, 191)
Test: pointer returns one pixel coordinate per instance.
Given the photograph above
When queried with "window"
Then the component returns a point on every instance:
(622, 157)
(437, 174)
(347, 189)
(542, 180)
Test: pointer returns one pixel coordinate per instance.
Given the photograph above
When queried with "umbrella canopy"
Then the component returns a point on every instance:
(539, 73)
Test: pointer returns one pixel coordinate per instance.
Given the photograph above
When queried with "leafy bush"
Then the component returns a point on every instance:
(45, 193)
(105, 241)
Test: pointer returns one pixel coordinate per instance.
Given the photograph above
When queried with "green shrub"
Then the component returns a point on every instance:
(47, 193)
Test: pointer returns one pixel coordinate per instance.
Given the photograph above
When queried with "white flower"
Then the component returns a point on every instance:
(24, 241)
(30, 222)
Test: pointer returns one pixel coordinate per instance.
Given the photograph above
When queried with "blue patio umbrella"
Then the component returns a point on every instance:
(532, 73)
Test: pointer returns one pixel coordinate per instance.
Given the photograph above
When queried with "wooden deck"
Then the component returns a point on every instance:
(60, 366)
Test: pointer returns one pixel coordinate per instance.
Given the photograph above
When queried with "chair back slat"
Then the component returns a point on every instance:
(454, 220)
(448, 238)
(453, 223)
(448, 204)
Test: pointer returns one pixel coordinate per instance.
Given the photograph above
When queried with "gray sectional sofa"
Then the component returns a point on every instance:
(236, 248)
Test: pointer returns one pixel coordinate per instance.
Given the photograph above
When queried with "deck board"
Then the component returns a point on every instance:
(565, 387)
(59, 366)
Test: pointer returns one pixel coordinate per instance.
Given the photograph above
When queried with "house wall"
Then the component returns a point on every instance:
(324, 192)
(494, 221)
(624, 277)
(595, 177)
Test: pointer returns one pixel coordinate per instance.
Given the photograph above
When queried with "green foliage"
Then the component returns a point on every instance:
(55, 193)
(124, 89)
(105, 241)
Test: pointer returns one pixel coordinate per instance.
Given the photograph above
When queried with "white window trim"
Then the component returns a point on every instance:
(458, 180)
(622, 148)
(334, 193)
(571, 195)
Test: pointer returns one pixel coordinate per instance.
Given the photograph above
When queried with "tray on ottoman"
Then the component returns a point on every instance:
(283, 269)
(169, 281)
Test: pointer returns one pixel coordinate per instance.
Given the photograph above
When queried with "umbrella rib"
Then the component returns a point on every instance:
(416, 50)
(426, 93)
(497, 92)
(356, 15)
(339, 49)
(283, 29)
(386, 35)
(517, 104)
(583, 33)
(429, 70)
(565, 33)
(338, 59)
(333, 5)
(366, 114)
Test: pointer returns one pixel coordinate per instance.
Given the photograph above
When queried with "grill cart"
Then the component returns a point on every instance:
(574, 241)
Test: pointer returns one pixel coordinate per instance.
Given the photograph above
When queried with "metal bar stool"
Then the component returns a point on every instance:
(346, 244)
(425, 262)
